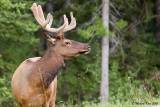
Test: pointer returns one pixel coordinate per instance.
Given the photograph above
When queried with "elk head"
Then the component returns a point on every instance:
(65, 47)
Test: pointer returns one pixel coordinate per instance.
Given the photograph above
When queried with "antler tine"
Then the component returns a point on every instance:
(52, 40)
(71, 25)
(35, 13)
(50, 22)
(57, 30)
(66, 21)
(41, 13)
(46, 24)
(38, 14)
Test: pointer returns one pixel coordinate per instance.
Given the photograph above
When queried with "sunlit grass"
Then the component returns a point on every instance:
(139, 97)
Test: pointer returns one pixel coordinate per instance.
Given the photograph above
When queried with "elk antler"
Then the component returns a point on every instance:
(46, 24)
(71, 25)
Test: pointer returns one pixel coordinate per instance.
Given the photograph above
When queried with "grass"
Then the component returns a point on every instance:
(155, 103)
(138, 97)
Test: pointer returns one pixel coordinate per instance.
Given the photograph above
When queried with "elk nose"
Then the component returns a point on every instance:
(87, 46)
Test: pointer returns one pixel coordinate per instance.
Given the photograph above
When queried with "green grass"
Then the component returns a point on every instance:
(139, 97)
(155, 103)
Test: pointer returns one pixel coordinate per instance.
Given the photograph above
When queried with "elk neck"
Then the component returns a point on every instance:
(51, 62)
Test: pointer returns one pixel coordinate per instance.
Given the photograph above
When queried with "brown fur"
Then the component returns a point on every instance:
(34, 82)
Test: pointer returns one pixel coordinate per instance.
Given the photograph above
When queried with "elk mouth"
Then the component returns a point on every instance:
(84, 52)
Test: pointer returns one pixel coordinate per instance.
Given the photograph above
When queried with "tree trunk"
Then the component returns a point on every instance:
(157, 20)
(49, 7)
(104, 89)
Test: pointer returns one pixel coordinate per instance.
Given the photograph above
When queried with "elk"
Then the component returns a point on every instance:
(34, 82)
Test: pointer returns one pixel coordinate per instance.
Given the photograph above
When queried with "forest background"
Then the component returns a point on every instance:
(134, 36)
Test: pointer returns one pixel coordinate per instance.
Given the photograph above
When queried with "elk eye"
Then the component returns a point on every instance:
(67, 43)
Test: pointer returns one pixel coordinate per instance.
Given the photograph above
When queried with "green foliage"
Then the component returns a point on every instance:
(17, 36)
(134, 60)
(95, 29)
(121, 24)
(98, 29)
(137, 57)
(6, 98)
(125, 83)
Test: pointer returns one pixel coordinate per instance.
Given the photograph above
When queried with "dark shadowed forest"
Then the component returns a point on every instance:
(133, 34)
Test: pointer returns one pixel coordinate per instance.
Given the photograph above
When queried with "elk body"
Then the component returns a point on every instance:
(34, 82)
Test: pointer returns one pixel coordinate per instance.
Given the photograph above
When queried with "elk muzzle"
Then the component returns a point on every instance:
(86, 49)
